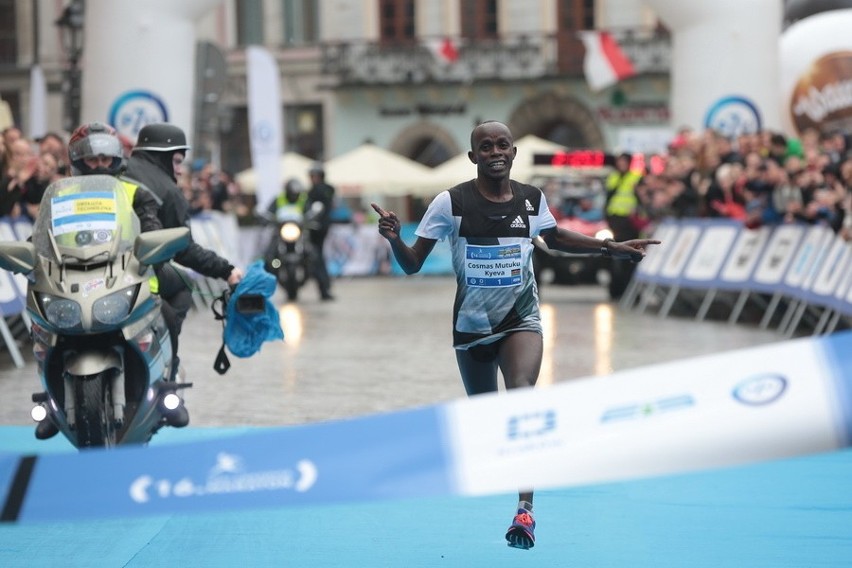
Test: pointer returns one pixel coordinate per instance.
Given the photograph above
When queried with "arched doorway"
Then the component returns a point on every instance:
(558, 118)
(426, 143)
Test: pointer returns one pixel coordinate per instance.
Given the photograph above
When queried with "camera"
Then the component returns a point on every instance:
(251, 304)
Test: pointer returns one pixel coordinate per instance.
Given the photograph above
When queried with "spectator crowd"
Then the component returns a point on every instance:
(27, 167)
(762, 178)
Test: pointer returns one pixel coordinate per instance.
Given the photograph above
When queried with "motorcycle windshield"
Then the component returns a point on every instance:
(85, 219)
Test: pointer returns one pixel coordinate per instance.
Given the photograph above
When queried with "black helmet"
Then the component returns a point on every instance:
(293, 185)
(90, 141)
(317, 168)
(161, 137)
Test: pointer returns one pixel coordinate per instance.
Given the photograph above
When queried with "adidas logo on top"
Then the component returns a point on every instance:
(518, 223)
(529, 205)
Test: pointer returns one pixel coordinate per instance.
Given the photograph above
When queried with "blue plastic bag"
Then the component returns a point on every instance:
(245, 333)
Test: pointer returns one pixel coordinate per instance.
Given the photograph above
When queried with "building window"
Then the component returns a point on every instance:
(396, 21)
(301, 22)
(572, 16)
(303, 130)
(575, 15)
(8, 37)
(250, 22)
(479, 19)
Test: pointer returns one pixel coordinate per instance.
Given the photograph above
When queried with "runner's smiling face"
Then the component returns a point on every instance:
(492, 149)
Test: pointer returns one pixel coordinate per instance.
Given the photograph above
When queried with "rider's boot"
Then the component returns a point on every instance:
(46, 429)
(179, 417)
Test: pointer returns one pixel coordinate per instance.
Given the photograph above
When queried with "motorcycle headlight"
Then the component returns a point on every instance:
(604, 234)
(112, 309)
(61, 312)
(290, 232)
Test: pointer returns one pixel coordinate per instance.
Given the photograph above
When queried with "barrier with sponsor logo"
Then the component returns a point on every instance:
(793, 273)
(14, 324)
(218, 232)
(358, 250)
(787, 399)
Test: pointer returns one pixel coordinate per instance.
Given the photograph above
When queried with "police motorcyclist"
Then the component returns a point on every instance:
(154, 164)
(290, 203)
(95, 149)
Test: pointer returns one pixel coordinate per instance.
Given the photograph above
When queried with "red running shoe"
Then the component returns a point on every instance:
(522, 532)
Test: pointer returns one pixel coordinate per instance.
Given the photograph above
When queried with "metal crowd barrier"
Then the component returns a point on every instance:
(14, 323)
(791, 274)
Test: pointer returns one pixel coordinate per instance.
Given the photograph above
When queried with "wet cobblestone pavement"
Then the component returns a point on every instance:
(385, 344)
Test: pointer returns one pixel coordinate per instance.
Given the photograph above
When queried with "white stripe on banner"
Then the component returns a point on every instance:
(744, 257)
(777, 258)
(771, 402)
(712, 250)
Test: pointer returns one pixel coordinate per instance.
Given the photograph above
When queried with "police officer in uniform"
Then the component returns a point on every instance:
(318, 206)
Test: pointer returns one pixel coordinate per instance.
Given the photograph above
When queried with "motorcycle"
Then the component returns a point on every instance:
(290, 254)
(102, 347)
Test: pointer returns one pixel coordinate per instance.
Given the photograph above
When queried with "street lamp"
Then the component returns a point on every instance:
(70, 25)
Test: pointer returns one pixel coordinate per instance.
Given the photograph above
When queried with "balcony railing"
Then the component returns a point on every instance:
(518, 57)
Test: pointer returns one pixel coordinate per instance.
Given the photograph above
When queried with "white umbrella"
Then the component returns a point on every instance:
(371, 170)
(293, 165)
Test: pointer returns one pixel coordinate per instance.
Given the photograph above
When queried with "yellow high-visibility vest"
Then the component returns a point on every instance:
(130, 188)
(623, 201)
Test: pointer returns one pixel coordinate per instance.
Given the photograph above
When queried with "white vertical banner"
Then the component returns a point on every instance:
(264, 117)
(38, 103)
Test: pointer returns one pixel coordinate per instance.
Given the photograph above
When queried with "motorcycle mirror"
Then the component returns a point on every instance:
(155, 247)
(18, 257)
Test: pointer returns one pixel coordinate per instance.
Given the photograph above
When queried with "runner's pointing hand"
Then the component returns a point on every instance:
(389, 225)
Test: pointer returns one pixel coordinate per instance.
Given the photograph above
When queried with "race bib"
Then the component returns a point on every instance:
(493, 266)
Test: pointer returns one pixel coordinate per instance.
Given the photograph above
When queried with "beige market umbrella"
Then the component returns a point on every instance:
(293, 165)
(371, 170)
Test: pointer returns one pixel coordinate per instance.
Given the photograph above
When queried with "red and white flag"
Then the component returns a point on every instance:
(444, 49)
(605, 63)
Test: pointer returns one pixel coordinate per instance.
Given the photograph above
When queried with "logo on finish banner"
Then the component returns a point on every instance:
(761, 389)
(134, 109)
(228, 475)
(733, 116)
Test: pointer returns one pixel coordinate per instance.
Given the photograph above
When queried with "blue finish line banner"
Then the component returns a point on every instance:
(777, 401)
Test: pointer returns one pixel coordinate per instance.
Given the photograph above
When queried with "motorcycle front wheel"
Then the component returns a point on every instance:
(291, 287)
(94, 411)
